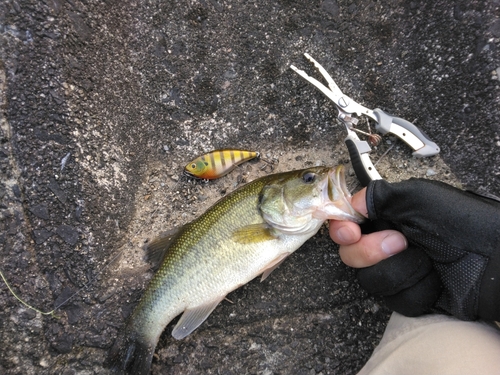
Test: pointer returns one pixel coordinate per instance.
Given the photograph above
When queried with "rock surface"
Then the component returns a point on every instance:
(103, 102)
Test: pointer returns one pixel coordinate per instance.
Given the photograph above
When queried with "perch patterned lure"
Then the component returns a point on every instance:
(218, 163)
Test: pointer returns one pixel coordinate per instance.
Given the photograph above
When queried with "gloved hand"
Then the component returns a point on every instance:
(452, 263)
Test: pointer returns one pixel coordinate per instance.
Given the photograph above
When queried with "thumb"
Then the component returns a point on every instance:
(358, 202)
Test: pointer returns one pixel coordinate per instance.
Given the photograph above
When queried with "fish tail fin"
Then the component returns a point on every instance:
(131, 354)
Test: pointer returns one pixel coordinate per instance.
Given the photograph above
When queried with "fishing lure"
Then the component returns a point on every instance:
(218, 163)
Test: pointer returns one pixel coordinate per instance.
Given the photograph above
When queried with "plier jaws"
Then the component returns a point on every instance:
(384, 123)
(343, 102)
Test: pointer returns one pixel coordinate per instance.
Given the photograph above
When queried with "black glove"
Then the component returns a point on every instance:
(452, 263)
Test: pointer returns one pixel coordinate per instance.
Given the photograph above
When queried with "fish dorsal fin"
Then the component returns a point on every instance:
(157, 248)
(253, 233)
(193, 317)
(273, 265)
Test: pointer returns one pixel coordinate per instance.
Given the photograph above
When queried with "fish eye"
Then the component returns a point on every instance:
(309, 177)
(193, 165)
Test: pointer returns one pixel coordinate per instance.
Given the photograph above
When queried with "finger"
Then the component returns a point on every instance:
(344, 232)
(358, 202)
(372, 248)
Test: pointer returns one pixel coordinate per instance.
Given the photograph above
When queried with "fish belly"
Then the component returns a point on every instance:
(197, 284)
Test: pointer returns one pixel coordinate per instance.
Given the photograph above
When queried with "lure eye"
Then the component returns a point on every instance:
(193, 165)
(309, 177)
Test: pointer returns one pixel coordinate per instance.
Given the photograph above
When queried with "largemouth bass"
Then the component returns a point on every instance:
(245, 234)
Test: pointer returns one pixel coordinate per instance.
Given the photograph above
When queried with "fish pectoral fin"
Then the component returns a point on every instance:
(253, 233)
(157, 248)
(272, 266)
(193, 317)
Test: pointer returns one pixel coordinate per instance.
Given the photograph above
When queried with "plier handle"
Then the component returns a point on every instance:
(384, 123)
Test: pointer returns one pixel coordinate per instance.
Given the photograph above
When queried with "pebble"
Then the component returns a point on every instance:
(78, 212)
(74, 314)
(430, 172)
(3, 191)
(231, 73)
(63, 345)
(65, 160)
(41, 211)
(44, 363)
(41, 235)
(68, 234)
(60, 194)
(28, 314)
(83, 31)
(17, 191)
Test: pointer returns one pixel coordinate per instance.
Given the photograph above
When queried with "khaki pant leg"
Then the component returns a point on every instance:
(435, 344)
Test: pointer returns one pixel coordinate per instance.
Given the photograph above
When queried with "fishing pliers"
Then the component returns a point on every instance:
(384, 123)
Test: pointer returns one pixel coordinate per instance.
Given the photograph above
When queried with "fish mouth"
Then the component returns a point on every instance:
(339, 195)
(189, 174)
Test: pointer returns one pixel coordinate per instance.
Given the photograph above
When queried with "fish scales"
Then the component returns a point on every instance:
(245, 234)
(205, 239)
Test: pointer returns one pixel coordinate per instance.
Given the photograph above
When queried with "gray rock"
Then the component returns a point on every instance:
(41, 211)
(68, 233)
(41, 235)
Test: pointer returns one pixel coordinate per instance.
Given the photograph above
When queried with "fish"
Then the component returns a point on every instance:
(218, 163)
(245, 234)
